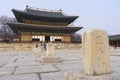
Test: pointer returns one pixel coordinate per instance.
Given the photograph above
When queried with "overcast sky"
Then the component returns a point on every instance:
(101, 14)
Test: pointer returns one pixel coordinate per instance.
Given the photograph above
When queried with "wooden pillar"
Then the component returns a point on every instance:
(52, 37)
(71, 38)
(20, 36)
(62, 38)
(42, 38)
(31, 36)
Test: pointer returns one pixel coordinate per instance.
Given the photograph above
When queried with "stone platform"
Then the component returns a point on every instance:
(24, 65)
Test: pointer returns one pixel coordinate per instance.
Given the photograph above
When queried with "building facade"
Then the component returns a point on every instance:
(43, 25)
(114, 40)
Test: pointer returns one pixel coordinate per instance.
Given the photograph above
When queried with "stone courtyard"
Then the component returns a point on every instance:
(24, 65)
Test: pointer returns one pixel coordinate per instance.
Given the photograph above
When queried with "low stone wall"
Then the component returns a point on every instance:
(30, 46)
(15, 47)
(68, 46)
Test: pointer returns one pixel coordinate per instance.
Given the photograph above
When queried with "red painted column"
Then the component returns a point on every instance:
(70, 38)
(20, 36)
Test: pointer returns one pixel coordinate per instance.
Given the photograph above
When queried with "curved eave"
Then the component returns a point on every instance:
(22, 15)
(20, 27)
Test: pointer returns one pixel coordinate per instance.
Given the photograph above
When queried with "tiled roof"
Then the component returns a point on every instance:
(114, 37)
(16, 27)
(45, 13)
(43, 16)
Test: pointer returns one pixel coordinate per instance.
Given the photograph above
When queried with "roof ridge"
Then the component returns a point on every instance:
(40, 9)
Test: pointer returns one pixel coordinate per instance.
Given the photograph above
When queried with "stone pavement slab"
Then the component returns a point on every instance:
(6, 59)
(23, 56)
(71, 61)
(115, 64)
(20, 77)
(23, 64)
(35, 69)
(70, 67)
(116, 70)
(2, 64)
(18, 65)
(75, 75)
(7, 70)
(67, 55)
(114, 58)
(52, 76)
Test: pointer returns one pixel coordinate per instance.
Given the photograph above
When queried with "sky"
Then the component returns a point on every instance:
(93, 14)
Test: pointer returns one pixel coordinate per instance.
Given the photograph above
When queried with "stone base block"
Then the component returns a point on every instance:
(50, 59)
(70, 75)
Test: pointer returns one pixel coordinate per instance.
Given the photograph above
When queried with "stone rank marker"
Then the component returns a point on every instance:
(50, 56)
(96, 59)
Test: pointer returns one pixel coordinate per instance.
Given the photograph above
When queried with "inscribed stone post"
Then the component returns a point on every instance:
(96, 52)
(50, 49)
(50, 56)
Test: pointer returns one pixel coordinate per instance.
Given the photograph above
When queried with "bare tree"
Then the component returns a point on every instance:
(4, 27)
(76, 38)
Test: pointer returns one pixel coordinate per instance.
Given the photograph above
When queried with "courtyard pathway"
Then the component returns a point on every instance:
(24, 65)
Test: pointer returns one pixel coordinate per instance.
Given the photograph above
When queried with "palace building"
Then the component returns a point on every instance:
(43, 25)
(114, 40)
